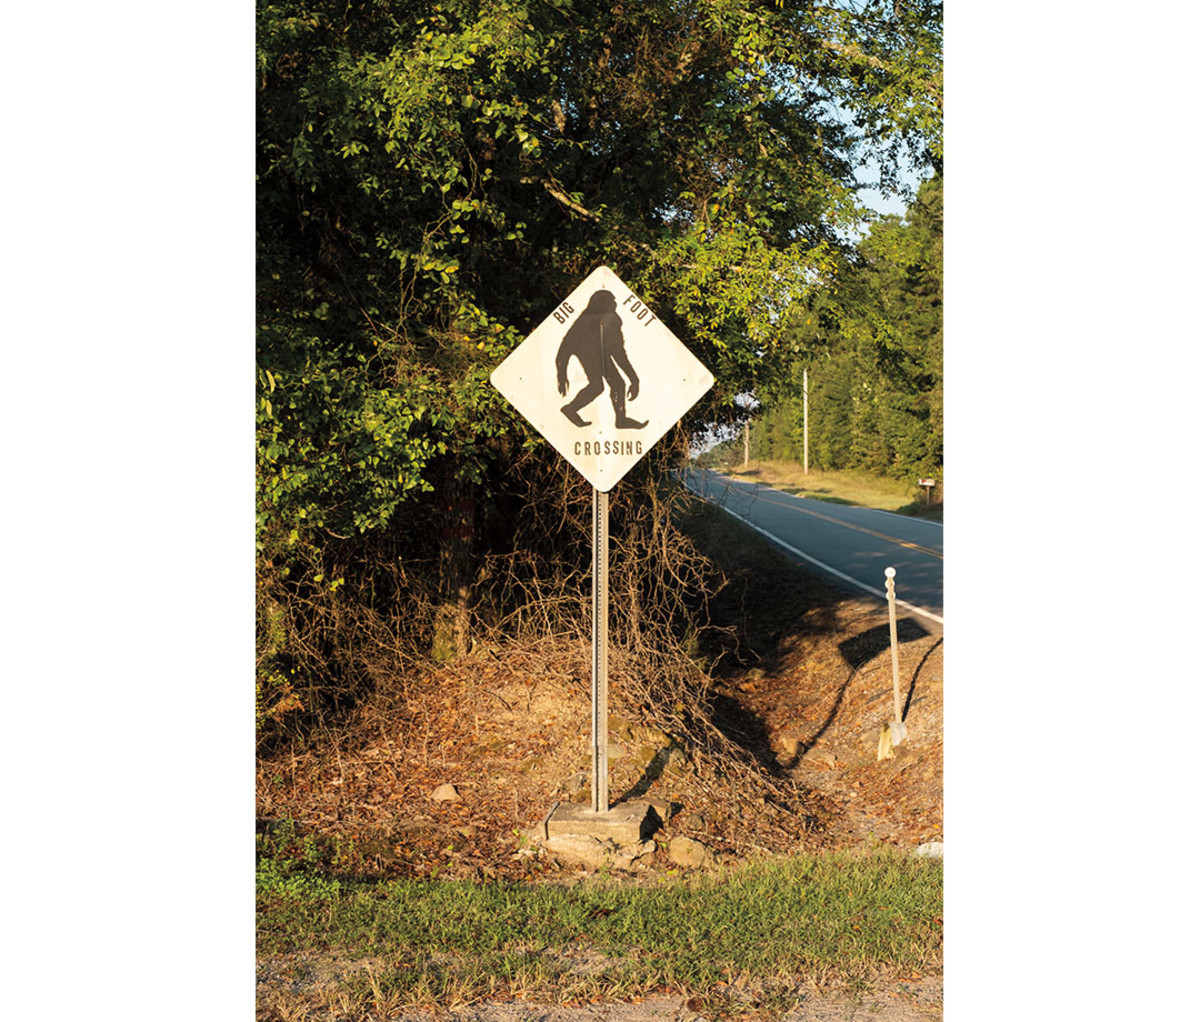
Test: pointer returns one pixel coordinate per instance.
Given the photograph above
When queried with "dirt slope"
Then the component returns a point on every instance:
(510, 730)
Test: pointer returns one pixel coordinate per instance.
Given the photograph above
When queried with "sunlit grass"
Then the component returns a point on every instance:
(761, 928)
(840, 487)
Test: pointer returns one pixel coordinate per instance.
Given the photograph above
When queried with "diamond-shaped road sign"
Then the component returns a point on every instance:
(602, 379)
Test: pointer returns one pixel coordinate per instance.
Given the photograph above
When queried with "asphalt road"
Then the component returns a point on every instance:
(850, 545)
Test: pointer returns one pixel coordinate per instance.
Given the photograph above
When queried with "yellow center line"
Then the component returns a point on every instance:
(848, 525)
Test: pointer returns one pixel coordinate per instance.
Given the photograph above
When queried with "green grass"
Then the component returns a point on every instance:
(760, 930)
(857, 488)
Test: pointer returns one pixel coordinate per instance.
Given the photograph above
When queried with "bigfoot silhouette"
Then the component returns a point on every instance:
(595, 339)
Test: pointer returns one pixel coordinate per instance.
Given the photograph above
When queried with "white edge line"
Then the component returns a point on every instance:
(825, 567)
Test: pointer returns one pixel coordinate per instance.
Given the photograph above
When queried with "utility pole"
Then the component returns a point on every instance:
(746, 445)
(806, 422)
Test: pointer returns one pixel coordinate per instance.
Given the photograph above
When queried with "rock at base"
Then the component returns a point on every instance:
(686, 851)
(617, 838)
(445, 793)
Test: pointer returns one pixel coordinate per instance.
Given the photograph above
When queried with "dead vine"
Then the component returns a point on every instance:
(353, 621)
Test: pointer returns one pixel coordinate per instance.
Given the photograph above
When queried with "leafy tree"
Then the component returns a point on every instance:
(434, 176)
(874, 353)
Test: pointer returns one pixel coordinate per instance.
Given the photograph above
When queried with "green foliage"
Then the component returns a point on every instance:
(893, 55)
(875, 385)
(434, 176)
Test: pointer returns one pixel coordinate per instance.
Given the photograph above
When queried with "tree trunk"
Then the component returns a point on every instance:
(452, 616)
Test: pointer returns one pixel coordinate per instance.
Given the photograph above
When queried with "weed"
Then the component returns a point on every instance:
(311, 854)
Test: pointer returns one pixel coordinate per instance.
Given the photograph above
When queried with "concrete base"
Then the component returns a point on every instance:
(628, 823)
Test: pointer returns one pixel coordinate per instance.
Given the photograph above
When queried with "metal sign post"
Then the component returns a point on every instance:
(599, 651)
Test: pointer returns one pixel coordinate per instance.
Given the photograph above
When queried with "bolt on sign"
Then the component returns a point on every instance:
(602, 379)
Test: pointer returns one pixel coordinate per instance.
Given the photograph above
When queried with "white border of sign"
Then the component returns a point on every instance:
(602, 378)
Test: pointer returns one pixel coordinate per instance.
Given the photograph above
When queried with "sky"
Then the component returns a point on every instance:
(876, 200)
